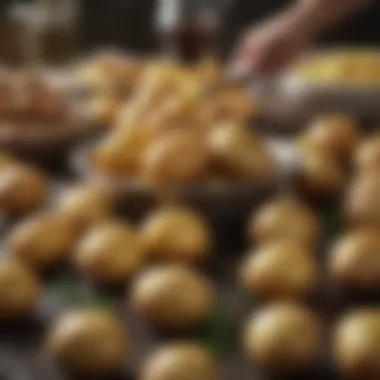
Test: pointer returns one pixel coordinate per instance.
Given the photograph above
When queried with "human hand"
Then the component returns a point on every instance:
(271, 47)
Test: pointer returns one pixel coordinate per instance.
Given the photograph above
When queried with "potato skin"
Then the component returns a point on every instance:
(22, 189)
(177, 234)
(281, 270)
(43, 241)
(357, 343)
(180, 361)
(158, 295)
(333, 135)
(20, 290)
(283, 337)
(89, 342)
(271, 222)
(354, 260)
(110, 253)
(87, 205)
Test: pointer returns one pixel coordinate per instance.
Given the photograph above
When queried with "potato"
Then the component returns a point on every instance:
(180, 361)
(177, 234)
(284, 337)
(173, 297)
(367, 155)
(354, 260)
(90, 342)
(44, 240)
(116, 156)
(362, 203)
(357, 343)
(105, 109)
(110, 253)
(234, 147)
(284, 218)
(321, 176)
(22, 189)
(20, 290)
(333, 135)
(178, 157)
(283, 269)
(86, 205)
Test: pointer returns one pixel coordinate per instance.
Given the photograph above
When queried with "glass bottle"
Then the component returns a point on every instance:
(187, 29)
(51, 31)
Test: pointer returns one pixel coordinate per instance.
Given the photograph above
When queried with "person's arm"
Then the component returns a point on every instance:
(271, 46)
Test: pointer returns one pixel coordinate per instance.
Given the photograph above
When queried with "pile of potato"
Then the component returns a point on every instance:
(184, 126)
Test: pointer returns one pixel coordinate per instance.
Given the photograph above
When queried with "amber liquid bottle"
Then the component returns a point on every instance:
(187, 29)
(54, 31)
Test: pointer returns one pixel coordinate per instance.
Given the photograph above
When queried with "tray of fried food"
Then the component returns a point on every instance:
(157, 85)
(343, 79)
(177, 138)
(34, 114)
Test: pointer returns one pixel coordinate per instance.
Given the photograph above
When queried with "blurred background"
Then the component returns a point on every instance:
(130, 23)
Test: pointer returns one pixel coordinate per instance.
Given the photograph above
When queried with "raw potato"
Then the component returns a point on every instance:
(173, 297)
(236, 148)
(20, 290)
(283, 269)
(177, 234)
(367, 155)
(284, 336)
(88, 206)
(284, 219)
(44, 240)
(178, 157)
(320, 175)
(333, 135)
(355, 260)
(89, 342)
(357, 344)
(185, 361)
(362, 203)
(110, 253)
(22, 189)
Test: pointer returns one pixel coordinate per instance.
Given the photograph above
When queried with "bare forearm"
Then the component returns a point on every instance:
(319, 15)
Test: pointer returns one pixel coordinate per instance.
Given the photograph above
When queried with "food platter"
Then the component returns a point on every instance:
(220, 201)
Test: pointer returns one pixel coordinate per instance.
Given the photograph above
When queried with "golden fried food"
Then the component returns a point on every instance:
(43, 241)
(117, 157)
(357, 343)
(284, 336)
(178, 157)
(22, 189)
(105, 109)
(333, 135)
(89, 342)
(20, 290)
(180, 361)
(86, 205)
(354, 262)
(110, 253)
(280, 270)
(284, 219)
(236, 148)
(173, 297)
(177, 234)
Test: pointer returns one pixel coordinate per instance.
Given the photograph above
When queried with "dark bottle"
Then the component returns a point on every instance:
(187, 29)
